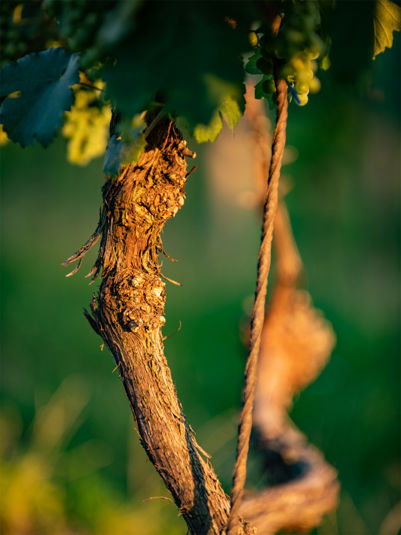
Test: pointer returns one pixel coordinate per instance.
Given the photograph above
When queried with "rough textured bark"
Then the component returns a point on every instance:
(128, 314)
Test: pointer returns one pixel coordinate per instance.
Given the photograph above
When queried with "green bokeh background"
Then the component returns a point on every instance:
(345, 213)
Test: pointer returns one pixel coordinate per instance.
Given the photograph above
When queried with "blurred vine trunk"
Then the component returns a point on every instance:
(296, 344)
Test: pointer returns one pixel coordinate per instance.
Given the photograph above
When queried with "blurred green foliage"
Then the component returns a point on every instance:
(71, 461)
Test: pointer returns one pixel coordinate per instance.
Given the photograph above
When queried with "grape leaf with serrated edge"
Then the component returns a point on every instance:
(387, 20)
(209, 132)
(44, 82)
(250, 65)
(229, 110)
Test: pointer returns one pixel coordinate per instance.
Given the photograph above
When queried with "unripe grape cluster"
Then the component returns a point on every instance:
(292, 54)
(18, 29)
(33, 25)
(10, 43)
(78, 25)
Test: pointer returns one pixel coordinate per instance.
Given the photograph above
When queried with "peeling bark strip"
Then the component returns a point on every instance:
(128, 314)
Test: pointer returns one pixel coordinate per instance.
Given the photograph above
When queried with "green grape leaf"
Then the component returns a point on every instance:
(259, 93)
(231, 111)
(250, 66)
(188, 74)
(112, 157)
(387, 20)
(43, 81)
(209, 132)
(117, 23)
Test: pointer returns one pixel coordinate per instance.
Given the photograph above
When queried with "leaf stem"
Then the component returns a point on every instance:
(91, 86)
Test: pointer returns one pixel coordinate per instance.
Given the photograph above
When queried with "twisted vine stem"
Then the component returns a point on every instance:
(258, 311)
(296, 344)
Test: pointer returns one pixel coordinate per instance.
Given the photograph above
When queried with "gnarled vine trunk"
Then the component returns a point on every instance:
(128, 314)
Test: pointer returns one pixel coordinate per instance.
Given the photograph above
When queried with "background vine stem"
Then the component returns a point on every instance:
(258, 311)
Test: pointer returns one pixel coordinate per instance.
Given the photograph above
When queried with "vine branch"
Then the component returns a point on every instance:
(296, 344)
